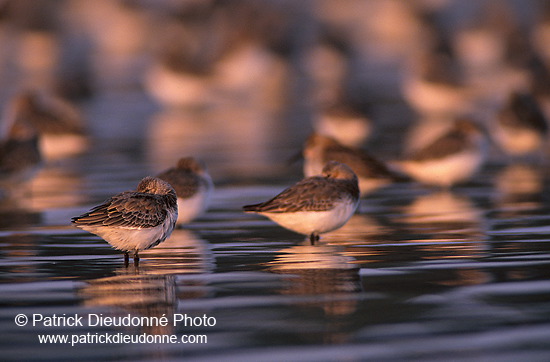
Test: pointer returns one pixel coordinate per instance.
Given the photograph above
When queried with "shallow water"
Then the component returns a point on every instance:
(415, 274)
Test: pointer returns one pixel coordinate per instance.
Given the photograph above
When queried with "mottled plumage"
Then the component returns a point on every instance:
(58, 122)
(49, 114)
(372, 173)
(134, 220)
(316, 204)
(193, 187)
(450, 144)
(453, 157)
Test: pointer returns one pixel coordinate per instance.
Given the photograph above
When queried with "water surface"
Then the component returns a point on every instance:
(417, 274)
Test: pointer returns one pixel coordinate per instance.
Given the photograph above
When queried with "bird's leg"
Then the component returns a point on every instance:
(313, 238)
(136, 259)
(126, 259)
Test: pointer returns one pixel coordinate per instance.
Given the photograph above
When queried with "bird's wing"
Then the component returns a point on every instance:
(447, 145)
(186, 184)
(311, 194)
(128, 209)
(363, 164)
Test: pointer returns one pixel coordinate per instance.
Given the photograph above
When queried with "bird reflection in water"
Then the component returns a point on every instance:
(135, 293)
(518, 188)
(316, 270)
(360, 229)
(451, 223)
(47, 183)
(363, 238)
(326, 278)
(153, 289)
(18, 213)
(182, 253)
(519, 202)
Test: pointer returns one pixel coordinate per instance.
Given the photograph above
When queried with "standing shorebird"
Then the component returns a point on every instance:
(520, 127)
(134, 220)
(345, 124)
(59, 123)
(20, 156)
(371, 173)
(315, 205)
(453, 157)
(193, 186)
(432, 86)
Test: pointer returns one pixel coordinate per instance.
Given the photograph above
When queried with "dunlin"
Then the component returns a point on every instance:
(59, 123)
(134, 220)
(451, 158)
(371, 172)
(482, 42)
(520, 127)
(20, 156)
(173, 81)
(193, 186)
(343, 123)
(315, 205)
(433, 85)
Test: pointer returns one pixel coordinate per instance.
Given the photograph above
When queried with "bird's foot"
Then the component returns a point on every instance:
(313, 238)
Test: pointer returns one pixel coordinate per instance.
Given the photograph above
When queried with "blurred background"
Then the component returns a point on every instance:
(119, 89)
(242, 83)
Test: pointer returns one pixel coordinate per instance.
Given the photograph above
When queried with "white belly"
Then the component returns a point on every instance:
(447, 171)
(190, 208)
(518, 142)
(130, 239)
(308, 222)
